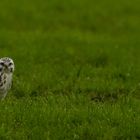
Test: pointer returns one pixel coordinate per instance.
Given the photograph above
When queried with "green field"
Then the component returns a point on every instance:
(77, 71)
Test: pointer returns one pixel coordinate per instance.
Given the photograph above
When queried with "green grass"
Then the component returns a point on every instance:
(77, 71)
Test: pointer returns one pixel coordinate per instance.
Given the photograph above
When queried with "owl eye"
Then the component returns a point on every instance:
(10, 64)
(2, 63)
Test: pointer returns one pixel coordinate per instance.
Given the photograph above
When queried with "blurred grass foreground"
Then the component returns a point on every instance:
(77, 71)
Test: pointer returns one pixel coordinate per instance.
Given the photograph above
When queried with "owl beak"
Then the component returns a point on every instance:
(6, 68)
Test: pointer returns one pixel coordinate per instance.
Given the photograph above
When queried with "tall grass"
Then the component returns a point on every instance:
(77, 69)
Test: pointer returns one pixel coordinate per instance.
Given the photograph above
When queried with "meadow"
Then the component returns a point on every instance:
(77, 73)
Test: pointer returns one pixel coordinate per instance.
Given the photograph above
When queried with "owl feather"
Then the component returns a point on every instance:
(6, 72)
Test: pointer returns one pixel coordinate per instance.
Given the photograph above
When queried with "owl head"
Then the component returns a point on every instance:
(6, 65)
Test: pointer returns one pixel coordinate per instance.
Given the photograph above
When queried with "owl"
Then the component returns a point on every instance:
(6, 72)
